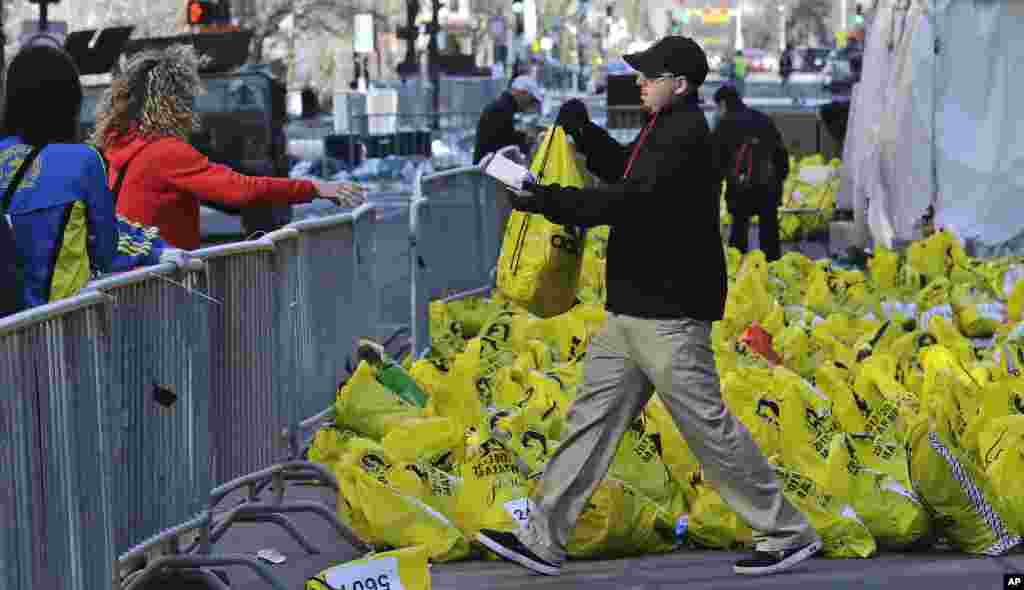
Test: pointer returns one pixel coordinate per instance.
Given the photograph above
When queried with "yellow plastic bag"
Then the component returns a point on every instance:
(977, 315)
(620, 522)
(330, 445)
(842, 532)
(806, 421)
(890, 510)
(749, 300)
(369, 408)
(964, 505)
(379, 514)
(712, 524)
(544, 405)
(884, 268)
(676, 455)
(472, 313)
(540, 263)
(390, 570)
(1002, 451)
(638, 461)
(436, 440)
(494, 493)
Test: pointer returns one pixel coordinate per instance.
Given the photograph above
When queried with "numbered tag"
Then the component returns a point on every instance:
(520, 510)
(376, 574)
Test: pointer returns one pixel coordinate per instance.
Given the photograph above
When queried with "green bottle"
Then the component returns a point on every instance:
(390, 374)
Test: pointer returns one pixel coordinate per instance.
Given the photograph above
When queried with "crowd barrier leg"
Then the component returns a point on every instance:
(167, 555)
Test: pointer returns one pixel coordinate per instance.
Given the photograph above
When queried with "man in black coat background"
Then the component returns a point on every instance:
(497, 126)
(737, 124)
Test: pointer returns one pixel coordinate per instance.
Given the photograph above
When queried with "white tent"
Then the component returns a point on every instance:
(931, 123)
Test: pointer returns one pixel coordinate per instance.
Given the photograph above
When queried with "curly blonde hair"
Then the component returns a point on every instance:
(155, 91)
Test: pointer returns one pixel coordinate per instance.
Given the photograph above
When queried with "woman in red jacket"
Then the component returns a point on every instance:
(145, 120)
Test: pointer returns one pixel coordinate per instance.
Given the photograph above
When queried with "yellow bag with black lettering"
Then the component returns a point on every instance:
(404, 569)
(961, 498)
(619, 521)
(494, 492)
(540, 263)
(378, 500)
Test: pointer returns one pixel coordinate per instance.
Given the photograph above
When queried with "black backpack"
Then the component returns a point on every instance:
(753, 167)
(12, 299)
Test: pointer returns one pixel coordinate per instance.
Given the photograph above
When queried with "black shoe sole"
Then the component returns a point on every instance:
(792, 561)
(509, 555)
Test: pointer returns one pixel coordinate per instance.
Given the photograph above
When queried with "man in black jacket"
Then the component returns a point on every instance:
(497, 126)
(666, 285)
(737, 125)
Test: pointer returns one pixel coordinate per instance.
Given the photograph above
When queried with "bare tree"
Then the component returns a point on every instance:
(810, 17)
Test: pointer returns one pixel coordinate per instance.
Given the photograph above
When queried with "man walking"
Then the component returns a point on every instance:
(496, 128)
(786, 69)
(750, 154)
(661, 192)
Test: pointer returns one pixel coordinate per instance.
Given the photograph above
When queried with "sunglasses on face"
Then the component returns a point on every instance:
(642, 79)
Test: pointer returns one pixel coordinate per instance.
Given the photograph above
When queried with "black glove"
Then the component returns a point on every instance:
(529, 203)
(573, 116)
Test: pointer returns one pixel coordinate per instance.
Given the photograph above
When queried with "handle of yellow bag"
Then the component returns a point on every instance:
(547, 152)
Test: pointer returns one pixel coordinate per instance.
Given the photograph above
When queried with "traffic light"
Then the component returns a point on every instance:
(208, 12)
(518, 9)
(858, 17)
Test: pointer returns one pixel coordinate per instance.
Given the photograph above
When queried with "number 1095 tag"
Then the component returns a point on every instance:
(377, 574)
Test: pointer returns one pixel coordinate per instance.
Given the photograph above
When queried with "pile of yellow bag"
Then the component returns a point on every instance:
(797, 194)
(892, 408)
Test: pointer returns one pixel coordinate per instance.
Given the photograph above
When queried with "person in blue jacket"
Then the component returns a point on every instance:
(62, 212)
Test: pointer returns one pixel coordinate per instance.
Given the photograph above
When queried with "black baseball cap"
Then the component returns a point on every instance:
(680, 56)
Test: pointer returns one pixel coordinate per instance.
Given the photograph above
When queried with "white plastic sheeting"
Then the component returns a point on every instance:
(979, 133)
(930, 123)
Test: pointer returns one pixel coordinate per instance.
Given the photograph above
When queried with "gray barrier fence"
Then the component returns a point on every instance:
(56, 459)
(126, 404)
(456, 225)
(159, 389)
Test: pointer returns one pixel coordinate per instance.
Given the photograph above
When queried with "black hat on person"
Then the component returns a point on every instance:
(680, 56)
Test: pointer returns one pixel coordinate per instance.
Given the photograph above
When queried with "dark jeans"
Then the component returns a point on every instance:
(768, 234)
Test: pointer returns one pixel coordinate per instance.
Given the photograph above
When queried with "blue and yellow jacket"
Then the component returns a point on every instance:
(65, 227)
(63, 217)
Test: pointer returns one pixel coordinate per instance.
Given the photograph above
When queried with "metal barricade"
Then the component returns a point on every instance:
(327, 246)
(456, 223)
(248, 410)
(160, 386)
(365, 275)
(254, 408)
(56, 448)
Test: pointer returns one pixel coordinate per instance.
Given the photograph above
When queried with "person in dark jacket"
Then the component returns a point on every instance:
(496, 128)
(786, 67)
(738, 123)
(666, 285)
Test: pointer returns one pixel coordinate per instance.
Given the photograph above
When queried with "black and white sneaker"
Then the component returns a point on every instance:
(507, 546)
(772, 562)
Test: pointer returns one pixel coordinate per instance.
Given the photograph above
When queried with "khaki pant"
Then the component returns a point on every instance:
(624, 359)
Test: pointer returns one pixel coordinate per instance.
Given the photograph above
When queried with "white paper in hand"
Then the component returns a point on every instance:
(507, 172)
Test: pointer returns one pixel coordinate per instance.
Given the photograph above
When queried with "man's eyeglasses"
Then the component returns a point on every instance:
(642, 79)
